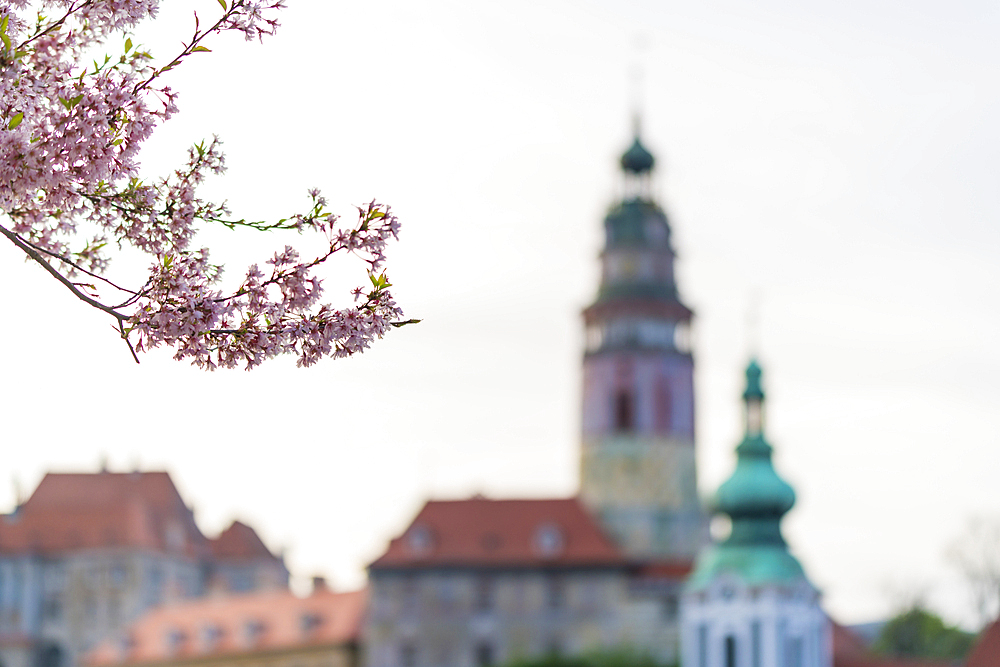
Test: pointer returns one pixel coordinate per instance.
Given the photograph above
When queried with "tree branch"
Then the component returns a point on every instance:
(35, 255)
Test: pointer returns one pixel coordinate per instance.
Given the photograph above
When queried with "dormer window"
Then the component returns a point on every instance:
(253, 632)
(210, 637)
(420, 540)
(309, 621)
(549, 541)
(175, 640)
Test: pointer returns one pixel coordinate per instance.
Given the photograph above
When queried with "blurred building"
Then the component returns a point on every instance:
(748, 601)
(986, 652)
(480, 582)
(267, 629)
(637, 465)
(88, 553)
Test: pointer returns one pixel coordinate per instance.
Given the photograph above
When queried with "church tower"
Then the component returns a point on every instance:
(748, 602)
(638, 455)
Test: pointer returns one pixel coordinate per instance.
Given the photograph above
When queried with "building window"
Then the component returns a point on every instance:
(702, 645)
(755, 644)
(548, 540)
(624, 412)
(211, 635)
(408, 655)
(154, 586)
(241, 581)
(485, 593)
(730, 651)
(409, 594)
(555, 592)
(114, 609)
(793, 652)
(50, 656)
(420, 540)
(664, 406)
(52, 607)
(253, 632)
(309, 621)
(484, 654)
(670, 607)
(175, 641)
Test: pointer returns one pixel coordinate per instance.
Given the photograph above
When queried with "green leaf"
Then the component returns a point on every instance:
(117, 142)
(224, 5)
(200, 48)
(128, 45)
(16, 120)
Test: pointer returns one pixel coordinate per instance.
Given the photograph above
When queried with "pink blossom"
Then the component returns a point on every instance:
(70, 134)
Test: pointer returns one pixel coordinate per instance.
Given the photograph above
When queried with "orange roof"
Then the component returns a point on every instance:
(70, 511)
(501, 533)
(274, 620)
(986, 652)
(239, 542)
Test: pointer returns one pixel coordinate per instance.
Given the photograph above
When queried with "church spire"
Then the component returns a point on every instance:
(637, 159)
(755, 498)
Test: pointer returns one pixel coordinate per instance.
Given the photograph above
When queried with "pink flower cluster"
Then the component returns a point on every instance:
(70, 132)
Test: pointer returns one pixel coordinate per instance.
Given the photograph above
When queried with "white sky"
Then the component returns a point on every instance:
(841, 162)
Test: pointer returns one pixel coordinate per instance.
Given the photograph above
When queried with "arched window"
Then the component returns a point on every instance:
(50, 656)
(484, 654)
(624, 412)
(664, 406)
(730, 651)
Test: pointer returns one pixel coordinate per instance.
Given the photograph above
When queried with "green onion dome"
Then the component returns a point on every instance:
(755, 498)
(637, 159)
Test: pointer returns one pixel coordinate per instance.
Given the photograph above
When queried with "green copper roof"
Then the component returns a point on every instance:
(753, 390)
(637, 223)
(755, 498)
(755, 565)
(637, 159)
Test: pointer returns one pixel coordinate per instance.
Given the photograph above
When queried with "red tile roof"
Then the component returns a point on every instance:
(239, 542)
(275, 620)
(70, 511)
(849, 650)
(986, 652)
(502, 533)
(665, 569)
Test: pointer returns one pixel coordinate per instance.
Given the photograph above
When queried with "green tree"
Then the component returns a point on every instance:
(918, 633)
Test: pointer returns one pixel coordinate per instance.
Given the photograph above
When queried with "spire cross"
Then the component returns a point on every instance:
(636, 75)
(753, 322)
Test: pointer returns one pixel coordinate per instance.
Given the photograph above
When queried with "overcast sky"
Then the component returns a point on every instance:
(838, 162)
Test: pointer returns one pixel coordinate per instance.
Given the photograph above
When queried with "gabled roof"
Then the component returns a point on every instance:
(71, 511)
(275, 620)
(986, 651)
(480, 532)
(239, 542)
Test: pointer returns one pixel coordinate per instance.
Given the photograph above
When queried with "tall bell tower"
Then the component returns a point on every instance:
(638, 454)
